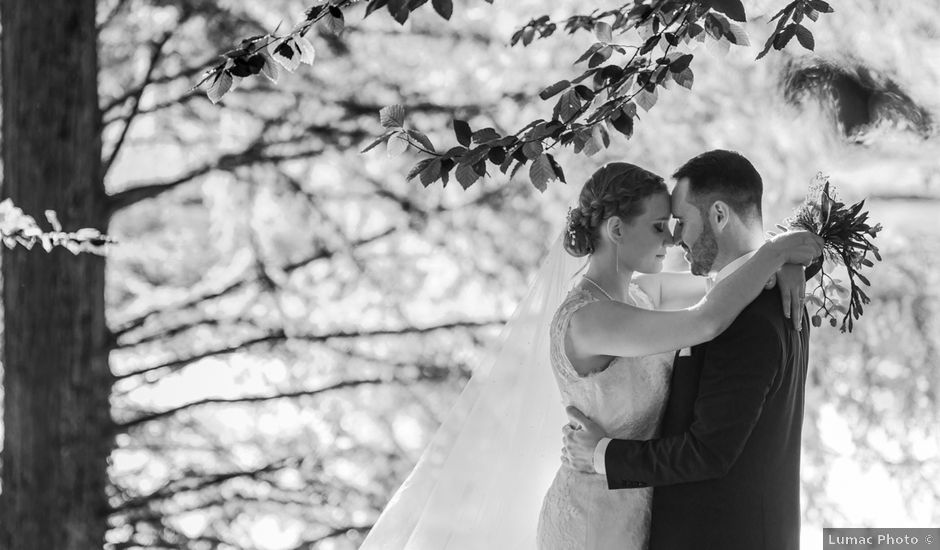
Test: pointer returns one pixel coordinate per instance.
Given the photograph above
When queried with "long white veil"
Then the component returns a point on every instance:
(481, 481)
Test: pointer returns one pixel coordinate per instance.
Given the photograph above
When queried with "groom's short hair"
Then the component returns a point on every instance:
(726, 176)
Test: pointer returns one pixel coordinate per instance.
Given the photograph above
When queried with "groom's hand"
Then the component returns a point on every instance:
(581, 437)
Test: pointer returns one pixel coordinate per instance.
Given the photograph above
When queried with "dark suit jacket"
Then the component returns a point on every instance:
(727, 466)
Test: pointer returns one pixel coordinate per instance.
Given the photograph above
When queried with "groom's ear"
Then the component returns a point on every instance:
(719, 214)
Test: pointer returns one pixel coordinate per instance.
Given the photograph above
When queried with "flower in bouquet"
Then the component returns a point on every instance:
(848, 237)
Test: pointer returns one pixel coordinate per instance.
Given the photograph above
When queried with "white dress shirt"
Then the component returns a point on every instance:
(600, 451)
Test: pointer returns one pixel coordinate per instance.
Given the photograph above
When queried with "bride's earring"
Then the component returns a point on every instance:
(617, 258)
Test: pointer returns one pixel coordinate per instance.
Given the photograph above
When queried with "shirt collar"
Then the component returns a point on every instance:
(730, 268)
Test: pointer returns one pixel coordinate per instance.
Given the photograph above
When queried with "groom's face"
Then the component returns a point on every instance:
(693, 232)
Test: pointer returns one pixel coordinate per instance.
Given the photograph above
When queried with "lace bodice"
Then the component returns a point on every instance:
(628, 397)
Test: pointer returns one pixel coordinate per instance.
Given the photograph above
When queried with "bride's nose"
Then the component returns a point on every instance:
(669, 239)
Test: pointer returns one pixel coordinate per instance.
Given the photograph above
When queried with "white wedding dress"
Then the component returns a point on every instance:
(627, 400)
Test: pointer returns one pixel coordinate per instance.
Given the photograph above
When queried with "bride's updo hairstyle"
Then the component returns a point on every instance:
(616, 189)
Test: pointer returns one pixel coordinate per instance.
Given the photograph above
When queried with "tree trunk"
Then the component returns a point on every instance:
(56, 377)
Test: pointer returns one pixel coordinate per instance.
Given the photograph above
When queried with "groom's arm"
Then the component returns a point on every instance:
(738, 370)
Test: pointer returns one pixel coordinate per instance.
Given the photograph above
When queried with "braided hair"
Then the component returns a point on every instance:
(616, 189)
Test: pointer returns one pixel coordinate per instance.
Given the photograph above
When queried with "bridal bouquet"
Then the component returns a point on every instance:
(848, 241)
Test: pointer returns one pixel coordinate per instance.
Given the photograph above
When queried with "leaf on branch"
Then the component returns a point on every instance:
(334, 21)
(314, 12)
(485, 135)
(466, 175)
(476, 155)
(497, 155)
(732, 8)
(532, 149)
(444, 8)
(684, 79)
(600, 56)
(269, 69)
(559, 173)
(397, 145)
(431, 172)
(463, 133)
(541, 172)
(392, 116)
(527, 35)
(374, 5)
(646, 99)
(422, 139)
(603, 32)
(307, 52)
(737, 35)
(419, 168)
(681, 63)
(622, 121)
(220, 86)
(286, 54)
(567, 107)
(805, 37)
(554, 89)
(650, 44)
(377, 141)
(589, 52)
(781, 39)
(821, 6)
(598, 140)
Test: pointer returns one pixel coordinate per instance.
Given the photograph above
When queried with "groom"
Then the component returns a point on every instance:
(727, 465)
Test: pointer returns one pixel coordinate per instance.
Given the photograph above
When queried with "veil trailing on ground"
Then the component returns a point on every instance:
(481, 481)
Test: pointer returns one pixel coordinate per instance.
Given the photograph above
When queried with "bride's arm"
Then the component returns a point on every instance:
(617, 329)
(672, 289)
(680, 290)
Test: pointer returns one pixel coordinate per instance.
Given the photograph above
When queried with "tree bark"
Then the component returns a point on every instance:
(56, 377)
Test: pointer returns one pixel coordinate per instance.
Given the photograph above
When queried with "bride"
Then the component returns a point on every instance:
(483, 478)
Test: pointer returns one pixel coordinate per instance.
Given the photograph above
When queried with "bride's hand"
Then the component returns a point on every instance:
(798, 247)
(581, 437)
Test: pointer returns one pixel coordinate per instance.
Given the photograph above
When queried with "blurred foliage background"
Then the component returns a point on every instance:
(292, 318)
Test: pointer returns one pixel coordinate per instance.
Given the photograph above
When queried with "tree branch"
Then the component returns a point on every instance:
(333, 533)
(135, 101)
(188, 72)
(191, 483)
(192, 302)
(112, 13)
(251, 155)
(149, 417)
(280, 336)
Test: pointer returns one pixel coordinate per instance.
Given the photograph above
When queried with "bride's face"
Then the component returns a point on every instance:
(644, 242)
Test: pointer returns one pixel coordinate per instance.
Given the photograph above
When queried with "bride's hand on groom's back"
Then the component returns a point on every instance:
(581, 437)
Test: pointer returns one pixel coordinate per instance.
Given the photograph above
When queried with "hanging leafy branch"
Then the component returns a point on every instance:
(18, 228)
(268, 53)
(620, 78)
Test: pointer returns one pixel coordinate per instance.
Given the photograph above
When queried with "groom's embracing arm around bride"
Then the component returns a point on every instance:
(726, 465)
